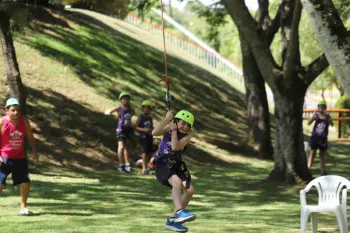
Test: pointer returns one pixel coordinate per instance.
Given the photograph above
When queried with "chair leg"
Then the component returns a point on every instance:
(346, 221)
(341, 222)
(303, 221)
(314, 222)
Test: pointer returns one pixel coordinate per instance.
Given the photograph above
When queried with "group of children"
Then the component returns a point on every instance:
(171, 136)
(125, 129)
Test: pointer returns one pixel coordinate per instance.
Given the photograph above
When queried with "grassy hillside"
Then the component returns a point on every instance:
(74, 65)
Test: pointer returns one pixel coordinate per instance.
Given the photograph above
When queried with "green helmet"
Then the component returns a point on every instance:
(146, 103)
(124, 93)
(322, 102)
(185, 116)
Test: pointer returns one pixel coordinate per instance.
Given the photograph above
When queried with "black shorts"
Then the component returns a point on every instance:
(167, 168)
(18, 168)
(124, 135)
(320, 143)
(146, 142)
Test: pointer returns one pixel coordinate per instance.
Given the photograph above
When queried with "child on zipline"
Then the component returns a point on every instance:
(124, 130)
(14, 129)
(171, 171)
(318, 140)
(144, 125)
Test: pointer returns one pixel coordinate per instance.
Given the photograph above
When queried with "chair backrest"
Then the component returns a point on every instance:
(329, 188)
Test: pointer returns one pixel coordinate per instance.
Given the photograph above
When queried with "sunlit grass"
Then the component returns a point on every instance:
(228, 198)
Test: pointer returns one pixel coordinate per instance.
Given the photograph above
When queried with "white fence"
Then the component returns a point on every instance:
(213, 59)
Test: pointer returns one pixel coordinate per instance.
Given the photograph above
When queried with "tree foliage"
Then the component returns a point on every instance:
(216, 17)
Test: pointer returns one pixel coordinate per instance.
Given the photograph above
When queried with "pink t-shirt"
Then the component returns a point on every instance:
(12, 138)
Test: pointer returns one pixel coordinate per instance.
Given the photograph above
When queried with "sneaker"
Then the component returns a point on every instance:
(324, 173)
(121, 169)
(173, 226)
(145, 172)
(184, 216)
(26, 212)
(127, 168)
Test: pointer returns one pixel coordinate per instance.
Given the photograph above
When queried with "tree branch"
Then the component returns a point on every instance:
(315, 68)
(293, 43)
(332, 35)
(262, 14)
(248, 27)
(273, 28)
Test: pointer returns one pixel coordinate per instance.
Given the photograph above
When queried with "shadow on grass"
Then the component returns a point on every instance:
(226, 194)
(70, 134)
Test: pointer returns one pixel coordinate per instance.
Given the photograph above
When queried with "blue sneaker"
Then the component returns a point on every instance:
(173, 226)
(184, 216)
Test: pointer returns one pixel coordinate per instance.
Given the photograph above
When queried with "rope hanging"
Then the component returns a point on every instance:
(166, 79)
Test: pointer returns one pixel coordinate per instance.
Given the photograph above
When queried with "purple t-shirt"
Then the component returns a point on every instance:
(124, 121)
(146, 122)
(165, 145)
(321, 127)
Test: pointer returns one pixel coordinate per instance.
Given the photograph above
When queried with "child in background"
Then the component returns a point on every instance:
(124, 130)
(151, 163)
(14, 128)
(144, 125)
(318, 140)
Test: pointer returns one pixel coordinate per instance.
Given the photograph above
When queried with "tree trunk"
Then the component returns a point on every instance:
(333, 37)
(257, 106)
(322, 94)
(341, 90)
(289, 154)
(14, 82)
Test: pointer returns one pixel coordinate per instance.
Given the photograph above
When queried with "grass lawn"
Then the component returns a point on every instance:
(74, 65)
(229, 198)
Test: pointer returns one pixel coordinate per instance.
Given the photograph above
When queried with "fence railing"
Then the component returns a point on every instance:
(214, 60)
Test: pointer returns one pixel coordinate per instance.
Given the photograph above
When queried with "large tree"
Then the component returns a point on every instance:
(256, 98)
(13, 76)
(257, 106)
(288, 83)
(333, 37)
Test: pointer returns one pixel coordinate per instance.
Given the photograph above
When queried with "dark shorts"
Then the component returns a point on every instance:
(18, 168)
(146, 142)
(165, 170)
(318, 143)
(124, 135)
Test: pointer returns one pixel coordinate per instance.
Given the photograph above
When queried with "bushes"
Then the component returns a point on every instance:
(343, 102)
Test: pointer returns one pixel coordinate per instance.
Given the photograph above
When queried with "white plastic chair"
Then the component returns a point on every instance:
(328, 188)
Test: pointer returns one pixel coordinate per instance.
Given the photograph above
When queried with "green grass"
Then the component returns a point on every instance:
(74, 66)
(229, 198)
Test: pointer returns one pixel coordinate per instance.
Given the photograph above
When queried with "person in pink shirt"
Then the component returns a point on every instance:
(14, 128)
